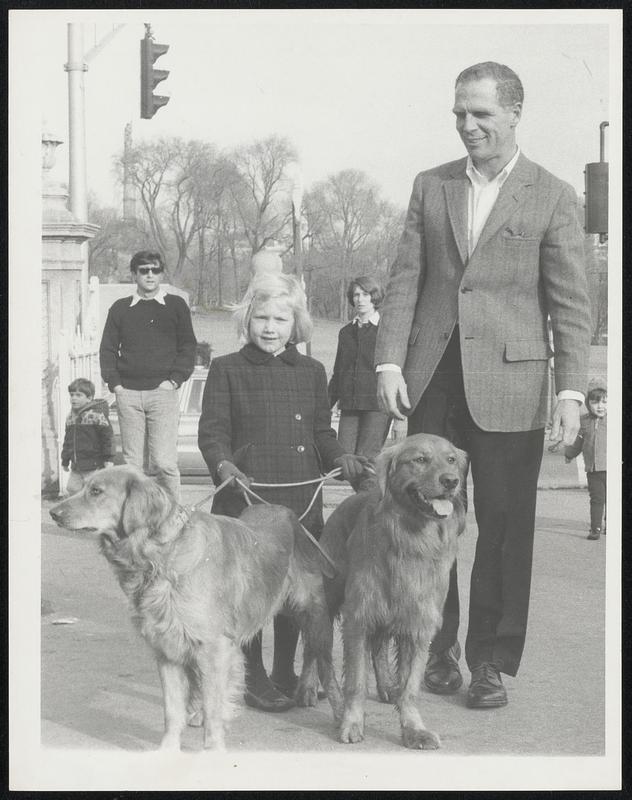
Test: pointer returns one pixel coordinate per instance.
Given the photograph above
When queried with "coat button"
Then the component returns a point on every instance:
(465, 289)
(300, 449)
(298, 416)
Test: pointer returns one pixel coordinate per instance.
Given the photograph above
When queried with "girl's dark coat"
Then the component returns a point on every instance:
(354, 383)
(270, 416)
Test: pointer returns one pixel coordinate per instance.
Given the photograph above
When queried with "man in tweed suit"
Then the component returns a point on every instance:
(491, 250)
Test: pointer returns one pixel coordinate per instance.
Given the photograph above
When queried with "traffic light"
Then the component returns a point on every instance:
(596, 182)
(596, 177)
(150, 77)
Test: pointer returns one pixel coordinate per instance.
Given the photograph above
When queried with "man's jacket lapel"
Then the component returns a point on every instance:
(456, 201)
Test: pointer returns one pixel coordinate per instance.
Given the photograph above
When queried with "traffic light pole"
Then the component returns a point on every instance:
(76, 66)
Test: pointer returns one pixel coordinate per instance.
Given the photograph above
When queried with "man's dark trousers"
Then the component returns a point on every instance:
(505, 468)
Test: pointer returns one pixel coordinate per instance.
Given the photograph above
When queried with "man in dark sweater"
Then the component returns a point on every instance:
(147, 352)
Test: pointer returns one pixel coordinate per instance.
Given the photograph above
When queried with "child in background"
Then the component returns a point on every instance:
(265, 414)
(88, 438)
(363, 426)
(591, 441)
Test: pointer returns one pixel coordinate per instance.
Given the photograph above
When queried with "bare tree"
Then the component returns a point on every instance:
(343, 213)
(262, 193)
(150, 166)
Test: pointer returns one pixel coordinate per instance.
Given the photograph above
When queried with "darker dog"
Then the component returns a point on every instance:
(201, 585)
(395, 548)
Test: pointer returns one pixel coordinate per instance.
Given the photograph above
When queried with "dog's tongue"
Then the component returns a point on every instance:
(442, 508)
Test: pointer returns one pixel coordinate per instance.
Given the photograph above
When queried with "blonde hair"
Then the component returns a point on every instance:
(275, 286)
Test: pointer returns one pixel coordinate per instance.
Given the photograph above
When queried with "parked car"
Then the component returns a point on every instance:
(190, 461)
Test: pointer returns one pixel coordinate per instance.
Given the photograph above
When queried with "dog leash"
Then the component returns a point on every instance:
(248, 491)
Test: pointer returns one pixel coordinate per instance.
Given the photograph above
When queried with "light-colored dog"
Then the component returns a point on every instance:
(201, 585)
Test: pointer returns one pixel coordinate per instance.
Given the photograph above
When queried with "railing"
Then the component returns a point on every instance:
(78, 357)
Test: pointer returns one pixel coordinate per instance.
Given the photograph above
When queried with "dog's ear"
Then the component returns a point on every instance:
(464, 463)
(385, 464)
(145, 505)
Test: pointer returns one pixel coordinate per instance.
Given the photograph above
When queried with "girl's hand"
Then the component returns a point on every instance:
(352, 466)
(226, 469)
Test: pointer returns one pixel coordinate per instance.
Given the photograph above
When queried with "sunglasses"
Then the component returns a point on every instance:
(147, 270)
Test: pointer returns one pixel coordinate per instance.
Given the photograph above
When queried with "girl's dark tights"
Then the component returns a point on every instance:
(285, 641)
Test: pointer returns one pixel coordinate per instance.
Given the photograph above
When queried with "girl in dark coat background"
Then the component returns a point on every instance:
(363, 426)
(266, 417)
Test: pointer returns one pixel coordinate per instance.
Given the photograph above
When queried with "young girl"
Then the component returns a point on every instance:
(363, 426)
(265, 415)
(591, 441)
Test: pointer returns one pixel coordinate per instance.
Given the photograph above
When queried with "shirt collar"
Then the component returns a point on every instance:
(252, 353)
(373, 319)
(475, 176)
(159, 297)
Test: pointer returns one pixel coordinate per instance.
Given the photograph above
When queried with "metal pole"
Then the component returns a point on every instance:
(298, 255)
(602, 138)
(76, 66)
(129, 206)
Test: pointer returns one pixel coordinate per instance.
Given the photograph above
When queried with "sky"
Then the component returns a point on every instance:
(370, 90)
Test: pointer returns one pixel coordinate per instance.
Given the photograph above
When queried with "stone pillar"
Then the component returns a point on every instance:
(64, 296)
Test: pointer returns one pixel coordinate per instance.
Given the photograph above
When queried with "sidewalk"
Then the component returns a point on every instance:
(100, 687)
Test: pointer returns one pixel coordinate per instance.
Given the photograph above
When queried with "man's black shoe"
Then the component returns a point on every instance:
(486, 689)
(442, 674)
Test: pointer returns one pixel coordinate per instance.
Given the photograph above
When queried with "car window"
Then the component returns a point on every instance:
(194, 405)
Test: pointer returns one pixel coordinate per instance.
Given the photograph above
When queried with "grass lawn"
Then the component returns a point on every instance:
(217, 328)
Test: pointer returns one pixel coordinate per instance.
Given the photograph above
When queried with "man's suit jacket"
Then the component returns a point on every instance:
(528, 265)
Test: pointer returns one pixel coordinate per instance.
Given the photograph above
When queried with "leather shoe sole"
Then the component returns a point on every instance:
(273, 703)
(489, 701)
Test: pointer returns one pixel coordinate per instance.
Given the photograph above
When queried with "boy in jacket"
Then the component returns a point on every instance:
(88, 438)
(591, 441)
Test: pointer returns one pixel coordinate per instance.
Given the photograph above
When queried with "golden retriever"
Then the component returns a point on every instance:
(201, 585)
(395, 547)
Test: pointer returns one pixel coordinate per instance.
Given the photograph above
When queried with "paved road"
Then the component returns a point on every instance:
(100, 688)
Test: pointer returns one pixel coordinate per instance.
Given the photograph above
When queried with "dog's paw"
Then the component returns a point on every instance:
(351, 733)
(420, 739)
(306, 696)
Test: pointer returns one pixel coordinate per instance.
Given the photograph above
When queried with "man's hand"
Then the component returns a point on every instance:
(117, 388)
(391, 386)
(66, 468)
(108, 464)
(167, 385)
(565, 425)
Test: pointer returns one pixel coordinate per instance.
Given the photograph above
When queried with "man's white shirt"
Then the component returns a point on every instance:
(158, 297)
